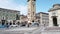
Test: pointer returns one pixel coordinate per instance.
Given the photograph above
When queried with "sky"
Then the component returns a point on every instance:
(21, 5)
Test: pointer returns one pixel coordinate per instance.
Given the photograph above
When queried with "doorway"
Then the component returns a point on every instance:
(55, 21)
(3, 22)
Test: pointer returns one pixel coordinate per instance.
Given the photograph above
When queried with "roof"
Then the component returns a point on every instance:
(52, 9)
(55, 8)
(23, 16)
(56, 5)
(9, 9)
(43, 13)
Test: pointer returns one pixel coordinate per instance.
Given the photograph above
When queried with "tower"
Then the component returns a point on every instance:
(31, 10)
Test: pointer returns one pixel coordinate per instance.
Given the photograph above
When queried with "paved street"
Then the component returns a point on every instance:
(17, 30)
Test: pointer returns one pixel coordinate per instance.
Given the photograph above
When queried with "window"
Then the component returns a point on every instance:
(33, 4)
(17, 17)
(33, 13)
(28, 13)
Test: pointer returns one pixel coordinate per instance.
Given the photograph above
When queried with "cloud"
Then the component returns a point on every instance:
(22, 8)
(9, 4)
(6, 3)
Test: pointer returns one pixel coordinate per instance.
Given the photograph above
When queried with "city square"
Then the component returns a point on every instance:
(13, 22)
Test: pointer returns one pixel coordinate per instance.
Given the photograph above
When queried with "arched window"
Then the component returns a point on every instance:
(17, 17)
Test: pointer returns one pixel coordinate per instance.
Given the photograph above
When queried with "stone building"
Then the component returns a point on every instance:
(54, 21)
(7, 15)
(23, 18)
(54, 15)
(31, 10)
(42, 18)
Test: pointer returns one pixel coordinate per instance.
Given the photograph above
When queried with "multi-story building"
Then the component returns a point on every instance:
(42, 18)
(8, 15)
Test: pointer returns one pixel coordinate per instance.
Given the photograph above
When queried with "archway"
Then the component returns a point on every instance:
(3, 22)
(55, 21)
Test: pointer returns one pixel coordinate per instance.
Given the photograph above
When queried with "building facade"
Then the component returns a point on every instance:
(54, 21)
(54, 15)
(7, 15)
(43, 18)
(23, 19)
(31, 10)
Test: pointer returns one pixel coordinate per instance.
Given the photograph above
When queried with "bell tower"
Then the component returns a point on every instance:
(31, 10)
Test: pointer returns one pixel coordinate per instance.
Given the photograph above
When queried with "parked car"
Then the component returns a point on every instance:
(35, 24)
(13, 26)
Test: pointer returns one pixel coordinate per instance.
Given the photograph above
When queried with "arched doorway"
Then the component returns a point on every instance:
(55, 21)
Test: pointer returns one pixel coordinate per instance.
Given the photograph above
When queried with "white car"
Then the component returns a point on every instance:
(13, 26)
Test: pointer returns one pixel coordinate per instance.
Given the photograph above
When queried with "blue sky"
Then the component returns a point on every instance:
(21, 5)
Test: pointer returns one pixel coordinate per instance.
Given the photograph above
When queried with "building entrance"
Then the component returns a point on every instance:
(3, 22)
(55, 21)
